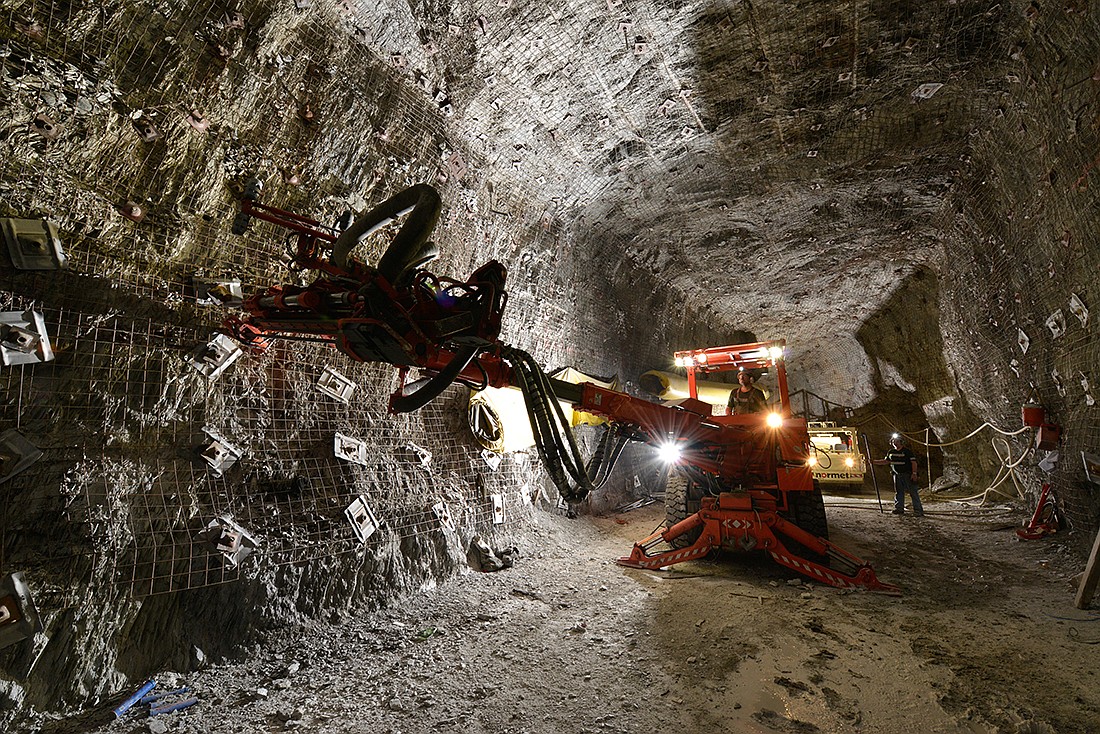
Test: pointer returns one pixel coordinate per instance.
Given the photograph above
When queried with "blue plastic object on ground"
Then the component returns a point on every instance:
(129, 702)
(159, 696)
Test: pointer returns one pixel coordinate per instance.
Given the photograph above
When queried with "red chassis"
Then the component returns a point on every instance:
(760, 490)
(756, 467)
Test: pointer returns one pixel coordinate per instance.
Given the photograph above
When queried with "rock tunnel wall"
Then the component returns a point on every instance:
(998, 312)
(1021, 254)
(134, 127)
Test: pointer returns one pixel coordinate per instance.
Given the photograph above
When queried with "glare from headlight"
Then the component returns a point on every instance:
(849, 462)
(776, 353)
(812, 461)
(669, 453)
(774, 420)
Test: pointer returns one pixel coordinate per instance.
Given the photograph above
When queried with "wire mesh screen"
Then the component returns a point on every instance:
(133, 130)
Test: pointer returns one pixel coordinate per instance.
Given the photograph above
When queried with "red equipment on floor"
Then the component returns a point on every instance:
(1045, 520)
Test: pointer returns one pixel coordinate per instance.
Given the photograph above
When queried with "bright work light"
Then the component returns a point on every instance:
(774, 420)
(669, 453)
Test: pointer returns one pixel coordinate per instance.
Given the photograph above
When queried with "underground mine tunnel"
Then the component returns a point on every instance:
(275, 273)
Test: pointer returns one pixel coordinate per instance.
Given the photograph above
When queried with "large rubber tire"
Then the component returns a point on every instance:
(682, 500)
(807, 511)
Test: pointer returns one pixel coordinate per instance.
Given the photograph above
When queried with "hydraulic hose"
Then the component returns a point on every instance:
(607, 455)
(436, 384)
(554, 441)
(410, 248)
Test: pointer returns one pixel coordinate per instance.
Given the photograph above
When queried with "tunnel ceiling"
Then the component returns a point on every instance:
(775, 165)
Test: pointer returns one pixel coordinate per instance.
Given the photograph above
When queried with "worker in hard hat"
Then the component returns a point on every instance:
(747, 398)
(903, 468)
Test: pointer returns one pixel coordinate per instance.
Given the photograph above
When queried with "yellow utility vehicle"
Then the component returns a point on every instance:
(839, 464)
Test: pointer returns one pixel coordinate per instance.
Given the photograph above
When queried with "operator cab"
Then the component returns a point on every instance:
(756, 360)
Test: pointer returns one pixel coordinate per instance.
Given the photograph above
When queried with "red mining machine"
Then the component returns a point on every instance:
(741, 482)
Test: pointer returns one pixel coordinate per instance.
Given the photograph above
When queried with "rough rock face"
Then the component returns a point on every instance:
(654, 175)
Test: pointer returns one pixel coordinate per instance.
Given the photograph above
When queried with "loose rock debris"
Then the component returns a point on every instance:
(475, 655)
(483, 558)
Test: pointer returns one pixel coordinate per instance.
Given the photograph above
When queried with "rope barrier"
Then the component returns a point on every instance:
(1001, 448)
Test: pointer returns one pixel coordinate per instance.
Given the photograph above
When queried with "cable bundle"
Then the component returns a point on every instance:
(553, 438)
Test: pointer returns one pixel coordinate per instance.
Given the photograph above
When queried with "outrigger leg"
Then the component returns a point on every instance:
(758, 529)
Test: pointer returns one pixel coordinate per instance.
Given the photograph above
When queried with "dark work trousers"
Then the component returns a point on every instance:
(902, 485)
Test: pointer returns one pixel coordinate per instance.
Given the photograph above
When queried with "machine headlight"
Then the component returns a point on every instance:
(812, 461)
(669, 453)
(776, 353)
(849, 462)
(774, 420)
(680, 362)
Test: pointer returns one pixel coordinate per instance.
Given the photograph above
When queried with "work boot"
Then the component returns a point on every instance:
(896, 511)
